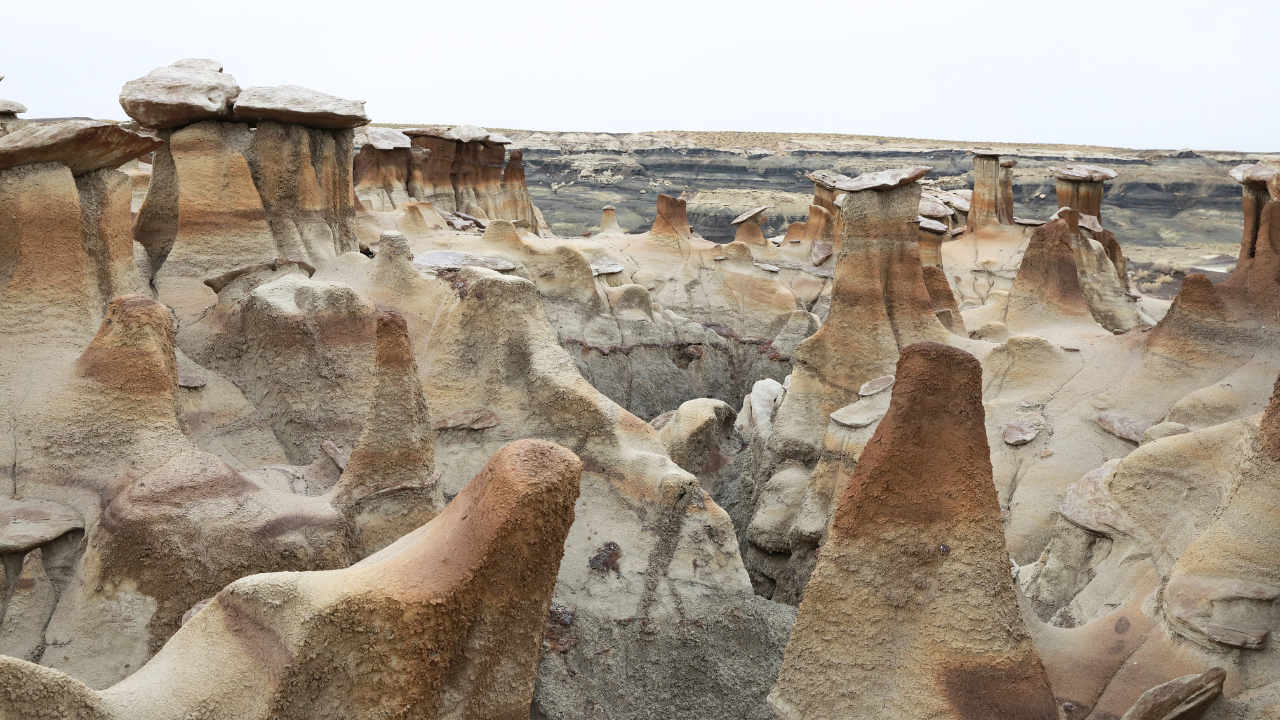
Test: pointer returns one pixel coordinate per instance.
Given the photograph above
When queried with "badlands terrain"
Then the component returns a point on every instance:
(307, 417)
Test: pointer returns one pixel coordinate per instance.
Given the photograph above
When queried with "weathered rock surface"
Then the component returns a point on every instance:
(303, 106)
(920, 519)
(82, 145)
(185, 92)
(282, 640)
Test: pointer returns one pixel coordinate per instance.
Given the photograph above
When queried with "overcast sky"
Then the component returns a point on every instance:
(1128, 73)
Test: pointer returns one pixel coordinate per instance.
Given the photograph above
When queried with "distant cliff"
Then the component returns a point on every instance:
(1160, 196)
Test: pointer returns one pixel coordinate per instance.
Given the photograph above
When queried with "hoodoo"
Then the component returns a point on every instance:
(304, 414)
(911, 611)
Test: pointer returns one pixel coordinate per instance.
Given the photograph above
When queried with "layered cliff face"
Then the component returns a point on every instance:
(1161, 197)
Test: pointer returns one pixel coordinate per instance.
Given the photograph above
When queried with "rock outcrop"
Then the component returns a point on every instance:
(223, 195)
(301, 106)
(473, 587)
(461, 170)
(992, 202)
(1081, 186)
(911, 610)
(1256, 279)
(879, 303)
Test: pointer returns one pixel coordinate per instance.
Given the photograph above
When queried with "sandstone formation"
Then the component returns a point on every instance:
(911, 611)
(223, 195)
(442, 171)
(299, 105)
(879, 303)
(1081, 187)
(340, 425)
(992, 202)
(452, 613)
(185, 92)
(1258, 265)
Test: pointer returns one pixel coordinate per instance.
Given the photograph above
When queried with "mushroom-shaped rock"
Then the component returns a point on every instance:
(912, 588)
(82, 145)
(11, 107)
(609, 220)
(1081, 187)
(753, 214)
(448, 619)
(26, 524)
(992, 200)
(294, 104)
(187, 91)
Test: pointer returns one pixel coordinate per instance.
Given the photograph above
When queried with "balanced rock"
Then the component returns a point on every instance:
(303, 106)
(185, 92)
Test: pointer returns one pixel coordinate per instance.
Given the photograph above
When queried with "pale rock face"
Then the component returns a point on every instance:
(294, 104)
(185, 92)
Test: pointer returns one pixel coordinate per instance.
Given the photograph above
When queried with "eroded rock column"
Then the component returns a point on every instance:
(911, 611)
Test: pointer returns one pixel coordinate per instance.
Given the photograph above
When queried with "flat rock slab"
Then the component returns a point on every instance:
(884, 180)
(197, 64)
(874, 387)
(1125, 428)
(26, 524)
(179, 95)
(1083, 173)
(862, 413)
(303, 106)
(450, 260)
(382, 138)
(478, 419)
(606, 266)
(190, 382)
(9, 106)
(1020, 432)
(1257, 175)
(768, 268)
(932, 207)
(1028, 221)
(827, 178)
(749, 215)
(82, 145)
(932, 226)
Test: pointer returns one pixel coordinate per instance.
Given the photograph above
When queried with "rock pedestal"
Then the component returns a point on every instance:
(992, 201)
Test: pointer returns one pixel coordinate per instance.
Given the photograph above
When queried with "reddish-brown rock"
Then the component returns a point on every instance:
(911, 611)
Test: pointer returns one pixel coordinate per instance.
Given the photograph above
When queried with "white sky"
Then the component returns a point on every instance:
(1129, 73)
